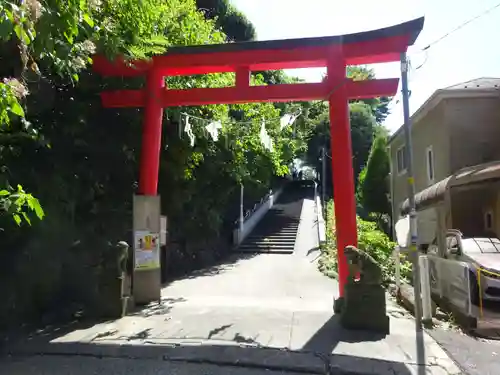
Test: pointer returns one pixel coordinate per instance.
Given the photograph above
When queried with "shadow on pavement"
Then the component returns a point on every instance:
(315, 356)
(164, 307)
(220, 267)
(247, 356)
(326, 339)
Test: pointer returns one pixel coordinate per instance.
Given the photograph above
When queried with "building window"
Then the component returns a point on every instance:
(401, 159)
(429, 155)
(488, 220)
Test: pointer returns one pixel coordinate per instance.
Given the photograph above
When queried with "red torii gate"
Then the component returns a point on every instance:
(334, 53)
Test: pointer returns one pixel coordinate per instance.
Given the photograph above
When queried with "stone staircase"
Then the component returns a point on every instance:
(277, 231)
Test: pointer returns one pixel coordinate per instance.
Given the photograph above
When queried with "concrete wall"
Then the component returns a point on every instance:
(250, 222)
(319, 216)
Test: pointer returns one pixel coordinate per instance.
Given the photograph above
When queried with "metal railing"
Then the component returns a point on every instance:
(255, 207)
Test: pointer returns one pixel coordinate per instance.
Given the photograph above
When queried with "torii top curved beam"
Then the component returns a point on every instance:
(376, 46)
(383, 45)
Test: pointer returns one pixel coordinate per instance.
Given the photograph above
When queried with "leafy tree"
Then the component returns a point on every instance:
(374, 180)
(213, 8)
(32, 34)
(379, 106)
(277, 77)
(365, 118)
(81, 160)
(233, 23)
(363, 125)
(359, 190)
(16, 202)
(362, 129)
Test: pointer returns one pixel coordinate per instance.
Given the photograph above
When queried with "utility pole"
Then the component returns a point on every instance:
(411, 192)
(414, 253)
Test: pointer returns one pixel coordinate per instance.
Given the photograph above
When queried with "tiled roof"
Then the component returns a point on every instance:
(478, 83)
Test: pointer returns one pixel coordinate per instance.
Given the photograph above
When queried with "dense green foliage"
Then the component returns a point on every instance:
(363, 126)
(370, 239)
(80, 161)
(60, 150)
(373, 183)
(365, 119)
(231, 21)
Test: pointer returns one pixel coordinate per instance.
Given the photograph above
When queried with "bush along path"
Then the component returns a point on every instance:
(370, 239)
(378, 244)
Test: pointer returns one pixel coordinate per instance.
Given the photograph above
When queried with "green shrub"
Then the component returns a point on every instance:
(378, 245)
(328, 261)
(370, 239)
(373, 188)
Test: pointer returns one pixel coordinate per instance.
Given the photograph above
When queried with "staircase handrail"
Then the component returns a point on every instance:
(255, 207)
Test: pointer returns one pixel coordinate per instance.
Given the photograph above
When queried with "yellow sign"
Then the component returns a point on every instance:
(147, 243)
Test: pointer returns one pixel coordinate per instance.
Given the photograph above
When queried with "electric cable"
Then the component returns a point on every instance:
(463, 24)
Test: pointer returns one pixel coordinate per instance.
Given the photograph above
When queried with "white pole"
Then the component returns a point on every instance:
(426, 289)
(397, 266)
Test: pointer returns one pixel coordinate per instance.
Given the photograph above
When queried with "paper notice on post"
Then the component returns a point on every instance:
(146, 250)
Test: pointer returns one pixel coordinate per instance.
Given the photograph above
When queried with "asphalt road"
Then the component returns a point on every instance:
(59, 365)
(474, 355)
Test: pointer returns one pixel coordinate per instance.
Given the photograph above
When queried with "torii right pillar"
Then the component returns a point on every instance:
(342, 169)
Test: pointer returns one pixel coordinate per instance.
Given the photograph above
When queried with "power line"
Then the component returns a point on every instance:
(489, 10)
(425, 60)
(395, 100)
(462, 25)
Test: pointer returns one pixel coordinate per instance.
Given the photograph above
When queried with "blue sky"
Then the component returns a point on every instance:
(466, 54)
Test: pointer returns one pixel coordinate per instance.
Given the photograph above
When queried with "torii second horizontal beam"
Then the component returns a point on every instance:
(237, 95)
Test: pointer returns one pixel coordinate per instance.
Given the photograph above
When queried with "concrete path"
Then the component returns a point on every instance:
(257, 312)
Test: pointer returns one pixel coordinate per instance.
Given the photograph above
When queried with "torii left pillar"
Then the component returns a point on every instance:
(147, 204)
(343, 190)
